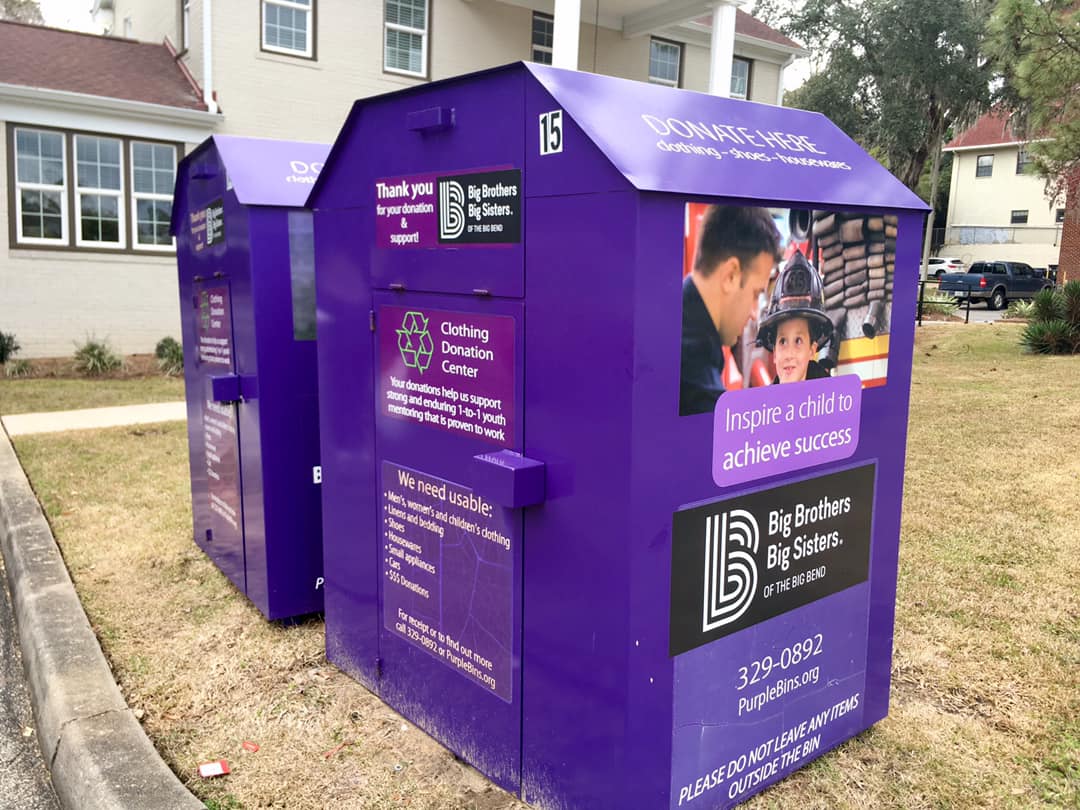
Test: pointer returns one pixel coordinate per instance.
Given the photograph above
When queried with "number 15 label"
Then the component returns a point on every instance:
(551, 139)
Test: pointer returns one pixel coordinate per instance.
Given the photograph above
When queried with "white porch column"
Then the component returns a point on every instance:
(564, 51)
(722, 50)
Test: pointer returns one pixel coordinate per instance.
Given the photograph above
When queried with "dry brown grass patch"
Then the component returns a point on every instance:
(987, 647)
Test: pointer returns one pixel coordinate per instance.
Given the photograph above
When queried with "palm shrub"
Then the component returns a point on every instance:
(95, 357)
(938, 303)
(1054, 327)
(9, 347)
(1049, 337)
(1047, 306)
(1070, 303)
(170, 356)
(1019, 308)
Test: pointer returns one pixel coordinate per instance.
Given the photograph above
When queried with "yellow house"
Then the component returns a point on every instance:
(997, 206)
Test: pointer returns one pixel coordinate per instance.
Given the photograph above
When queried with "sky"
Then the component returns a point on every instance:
(73, 15)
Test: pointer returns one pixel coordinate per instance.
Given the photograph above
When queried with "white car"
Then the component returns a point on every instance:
(939, 266)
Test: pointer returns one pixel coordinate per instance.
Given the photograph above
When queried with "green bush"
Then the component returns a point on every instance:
(18, 368)
(1048, 306)
(170, 356)
(1020, 309)
(939, 303)
(1050, 337)
(96, 357)
(1070, 303)
(9, 347)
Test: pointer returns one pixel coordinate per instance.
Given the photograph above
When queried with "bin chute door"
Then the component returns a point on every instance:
(218, 503)
(449, 388)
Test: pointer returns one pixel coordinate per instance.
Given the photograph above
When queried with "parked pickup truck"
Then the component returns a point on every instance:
(996, 283)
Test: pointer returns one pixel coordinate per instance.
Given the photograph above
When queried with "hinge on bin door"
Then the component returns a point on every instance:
(378, 667)
(371, 319)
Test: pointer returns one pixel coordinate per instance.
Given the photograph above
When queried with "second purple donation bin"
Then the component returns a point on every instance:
(244, 247)
(613, 395)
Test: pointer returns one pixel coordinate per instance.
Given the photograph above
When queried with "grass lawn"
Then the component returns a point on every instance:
(34, 395)
(986, 674)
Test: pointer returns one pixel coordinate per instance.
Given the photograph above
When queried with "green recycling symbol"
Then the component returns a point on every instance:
(414, 341)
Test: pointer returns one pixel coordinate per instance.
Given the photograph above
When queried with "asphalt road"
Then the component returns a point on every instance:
(980, 314)
(24, 780)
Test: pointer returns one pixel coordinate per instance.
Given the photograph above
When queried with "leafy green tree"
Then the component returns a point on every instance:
(901, 71)
(1036, 47)
(26, 11)
(900, 74)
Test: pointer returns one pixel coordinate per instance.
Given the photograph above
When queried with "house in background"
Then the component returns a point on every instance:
(77, 260)
(91, 130)
(997, 205)
(292, 68)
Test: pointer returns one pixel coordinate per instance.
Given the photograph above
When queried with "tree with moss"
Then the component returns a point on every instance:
(26, 11)
(1035, 45)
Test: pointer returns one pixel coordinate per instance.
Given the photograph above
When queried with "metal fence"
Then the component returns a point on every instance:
(934, 282)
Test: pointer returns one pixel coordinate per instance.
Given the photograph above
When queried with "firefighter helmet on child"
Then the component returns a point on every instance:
(798, 294)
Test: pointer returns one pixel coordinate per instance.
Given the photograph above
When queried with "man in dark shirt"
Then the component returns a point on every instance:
(737, 250)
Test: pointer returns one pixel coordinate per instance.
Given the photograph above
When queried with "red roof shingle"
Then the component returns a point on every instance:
(752, 27)
(48, 58)
(748, 26)
(993, 128)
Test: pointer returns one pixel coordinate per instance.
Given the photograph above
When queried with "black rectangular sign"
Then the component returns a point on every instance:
(480, 208)
(740, 561)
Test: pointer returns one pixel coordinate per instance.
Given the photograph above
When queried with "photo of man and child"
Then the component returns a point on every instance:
(757, 311)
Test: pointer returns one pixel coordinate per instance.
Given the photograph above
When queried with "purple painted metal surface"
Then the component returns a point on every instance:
(603, 711)
(692, 143)
(509, 479)
(255, 500)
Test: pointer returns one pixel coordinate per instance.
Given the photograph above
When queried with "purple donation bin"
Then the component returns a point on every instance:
(613, 392)
(247, 305)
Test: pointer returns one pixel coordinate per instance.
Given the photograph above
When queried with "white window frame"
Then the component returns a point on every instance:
(136, 196)
(422, 33)
(548, 49)
(308, 9)
(738, 60)
(678, 64)
(62, 189)
(990, 167)
(91, 191)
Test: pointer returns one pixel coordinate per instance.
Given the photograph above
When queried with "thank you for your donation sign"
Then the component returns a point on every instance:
(738, 562)
(759, 432)
(430, 210)
(452, 371)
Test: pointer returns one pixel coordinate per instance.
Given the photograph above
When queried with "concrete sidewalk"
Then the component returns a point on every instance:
(98, 754)
(55, 421)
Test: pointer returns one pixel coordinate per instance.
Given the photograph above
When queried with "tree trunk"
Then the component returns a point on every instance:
(935, 173)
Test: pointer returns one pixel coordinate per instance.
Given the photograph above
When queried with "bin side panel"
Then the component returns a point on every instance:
(346, 419)
(209, 266)
(283, 570)
(579, 372)
(891, 406)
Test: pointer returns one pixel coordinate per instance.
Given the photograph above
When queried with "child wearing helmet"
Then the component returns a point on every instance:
(796, 327)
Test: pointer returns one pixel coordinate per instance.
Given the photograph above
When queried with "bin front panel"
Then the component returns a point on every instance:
(448, 388)
(218, 505)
